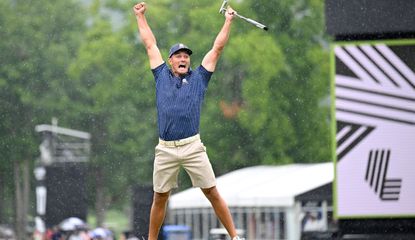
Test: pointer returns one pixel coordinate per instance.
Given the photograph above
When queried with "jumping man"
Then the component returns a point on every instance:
(179, 94)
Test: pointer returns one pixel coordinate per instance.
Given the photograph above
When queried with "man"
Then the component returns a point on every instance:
(179, 94)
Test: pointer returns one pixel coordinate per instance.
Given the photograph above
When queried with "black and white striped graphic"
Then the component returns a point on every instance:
(381, 88)
(375, 116)
(373, 87)
(376, 176)
(348, 136)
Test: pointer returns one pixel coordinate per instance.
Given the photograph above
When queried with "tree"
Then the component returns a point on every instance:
(114, 105)
(274, 83)
(34, 56)
(264, 105)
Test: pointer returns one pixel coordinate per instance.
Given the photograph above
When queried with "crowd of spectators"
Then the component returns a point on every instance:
(76, 229)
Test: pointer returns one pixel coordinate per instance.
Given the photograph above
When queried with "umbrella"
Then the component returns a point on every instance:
(100, 233)
(71, 224)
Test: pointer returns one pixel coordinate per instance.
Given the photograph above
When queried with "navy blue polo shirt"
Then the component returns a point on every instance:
(179, 101)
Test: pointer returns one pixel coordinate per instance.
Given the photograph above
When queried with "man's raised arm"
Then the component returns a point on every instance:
(212, 57)
(147, 36)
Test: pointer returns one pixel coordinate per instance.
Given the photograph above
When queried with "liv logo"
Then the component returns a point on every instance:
(376, 176)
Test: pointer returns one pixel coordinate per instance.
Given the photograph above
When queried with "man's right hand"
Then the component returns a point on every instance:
(139, 8)
(230, 13)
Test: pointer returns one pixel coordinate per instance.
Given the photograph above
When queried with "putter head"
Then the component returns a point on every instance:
(222, 9)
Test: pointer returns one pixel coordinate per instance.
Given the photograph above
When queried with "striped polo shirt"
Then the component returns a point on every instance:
(179, 101)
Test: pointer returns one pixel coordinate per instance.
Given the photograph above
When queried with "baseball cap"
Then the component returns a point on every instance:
(177, 47)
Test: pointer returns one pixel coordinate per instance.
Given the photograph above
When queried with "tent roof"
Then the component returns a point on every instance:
(263, 186)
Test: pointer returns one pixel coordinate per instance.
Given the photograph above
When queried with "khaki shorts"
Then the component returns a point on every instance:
(192, 156)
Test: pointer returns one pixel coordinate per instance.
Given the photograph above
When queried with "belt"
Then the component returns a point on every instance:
(179, 142)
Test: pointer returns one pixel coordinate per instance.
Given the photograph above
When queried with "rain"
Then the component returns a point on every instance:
(307, 119)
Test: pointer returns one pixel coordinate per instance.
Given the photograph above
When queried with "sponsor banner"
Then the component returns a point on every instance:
(374, 89)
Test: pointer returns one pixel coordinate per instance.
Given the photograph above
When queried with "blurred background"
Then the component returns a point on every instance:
(81, 63)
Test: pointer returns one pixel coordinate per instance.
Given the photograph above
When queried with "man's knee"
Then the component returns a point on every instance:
(161, 198)
(211, 193)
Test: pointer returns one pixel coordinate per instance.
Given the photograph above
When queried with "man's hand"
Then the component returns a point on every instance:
(211, 58)
(147, 36)
(139, 8)
(230, 13)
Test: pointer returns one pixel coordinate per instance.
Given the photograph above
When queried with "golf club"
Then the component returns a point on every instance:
(222, 10)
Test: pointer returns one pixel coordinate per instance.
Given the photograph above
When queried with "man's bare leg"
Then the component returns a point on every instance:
(157, 214)
(221, 209)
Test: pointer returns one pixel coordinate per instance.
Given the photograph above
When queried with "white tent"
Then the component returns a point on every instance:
(260, 186)
(255, 191)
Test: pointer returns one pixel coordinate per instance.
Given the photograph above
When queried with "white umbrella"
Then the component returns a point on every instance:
(100, 233)
(71, 224)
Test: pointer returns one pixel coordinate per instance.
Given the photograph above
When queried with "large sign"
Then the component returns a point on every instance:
(374, 92)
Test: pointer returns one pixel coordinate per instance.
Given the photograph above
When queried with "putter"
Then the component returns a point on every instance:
(222, 10)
